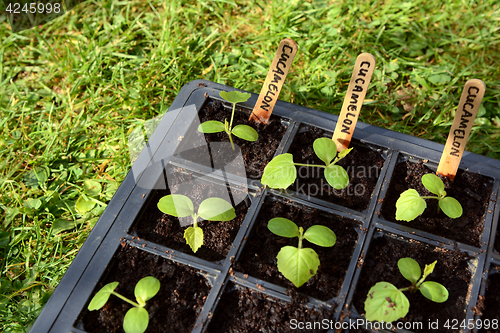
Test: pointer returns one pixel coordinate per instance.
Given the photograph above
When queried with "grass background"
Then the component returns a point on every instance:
(72, 90)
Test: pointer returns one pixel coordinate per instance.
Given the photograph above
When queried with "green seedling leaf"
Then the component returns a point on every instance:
(344, 153)
(136, 320)
(37, 177)
(429, 269)
(245, 132)
(325, 149)
(145, 289)
(176, 205)
(216, 209)
(433, 183)
(211, 126)
(283, 227)
(60, 225)
(280, 172)
(451, 207)
(409, 205)
(386, 303)
(434, 291)
(92, 187)
(235, 97)
(83, 205)
(4, 238)
(336, 176)
(102, 296)
(297, 265)
(410, 269)
(194, 237)
(320, 235)
(33, 203)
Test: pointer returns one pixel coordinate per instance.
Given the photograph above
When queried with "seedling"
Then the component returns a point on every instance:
(299, 264)
(387, 303)
(136, 319)
(242, 131)
(410, 204)
(281, 172)
(211, 209)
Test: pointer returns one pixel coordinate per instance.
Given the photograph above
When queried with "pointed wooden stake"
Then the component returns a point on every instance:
(356, 92)
(462, 124)
(274, 81)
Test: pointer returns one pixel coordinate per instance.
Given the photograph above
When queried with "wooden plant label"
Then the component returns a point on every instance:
(274, 81)
(462, 124)
(356, 92)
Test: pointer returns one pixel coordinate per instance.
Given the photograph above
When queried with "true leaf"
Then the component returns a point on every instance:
(283, 227)
(60, 225)
(433, 183)
(336, 176)
(37, 177)
(235, 96)
(451, 207)
(102, 296)
(409, 205)
(146, 288)
(280, 172)
(343, 153)
(136, 320)
(216, 209)
(33, 203)
(176, 205)
(410, 269)
(297, 265)
(434, 291)
(211, 126)
(92, 187)
(4, 238)
(385, 303)
(83, 205)
(245, 132)
(429, 269)
(320, 235)
(325, 149)
(194, 237)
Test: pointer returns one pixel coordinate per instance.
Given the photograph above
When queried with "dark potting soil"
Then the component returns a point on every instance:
(451, 270)
(166, 230)
(174, 309)
(470, 189)
(491, 309)
(255, 154)
(362, 164)
(243, 310)
(258, 257)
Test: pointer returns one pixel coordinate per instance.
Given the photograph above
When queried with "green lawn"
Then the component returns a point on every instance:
(73, 90)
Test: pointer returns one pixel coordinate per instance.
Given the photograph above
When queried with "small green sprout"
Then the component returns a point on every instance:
(281, 171)
(242, 131)
(300, 264)
(137, 318)
(410, 204)
(387, 303)
(211, 209)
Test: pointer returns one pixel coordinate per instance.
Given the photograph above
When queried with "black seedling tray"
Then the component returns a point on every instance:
(176, 145)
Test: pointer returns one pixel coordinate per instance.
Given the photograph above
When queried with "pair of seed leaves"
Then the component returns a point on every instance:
(387, 303)
(281, 171)
(299, 264)
(211, 209)
(136, 319)
(410, 204)
(242, 131)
